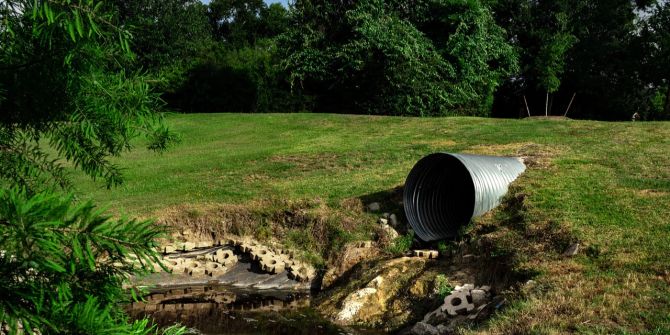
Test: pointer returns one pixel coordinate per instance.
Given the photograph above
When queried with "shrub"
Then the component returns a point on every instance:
(63, 266)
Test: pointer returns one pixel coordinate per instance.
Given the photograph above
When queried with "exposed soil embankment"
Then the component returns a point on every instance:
(366, 269)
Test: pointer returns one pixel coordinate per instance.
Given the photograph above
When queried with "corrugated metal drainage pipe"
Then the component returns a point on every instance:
(444, 191)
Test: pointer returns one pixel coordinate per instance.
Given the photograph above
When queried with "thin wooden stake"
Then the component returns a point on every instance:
(570, 104)
(546, 105)
(526, 102)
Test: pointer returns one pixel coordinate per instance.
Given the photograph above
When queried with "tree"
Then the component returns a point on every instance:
(274, 20)
(591, 48)
(63, 82)
(237, 22)
(63, 88)
(434, 57)
(63, 266)
(656, 36)
(165, 32)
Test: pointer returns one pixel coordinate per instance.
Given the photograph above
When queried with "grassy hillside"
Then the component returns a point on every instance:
(608, 184)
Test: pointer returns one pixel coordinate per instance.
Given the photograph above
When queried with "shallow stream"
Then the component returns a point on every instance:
(224, 309)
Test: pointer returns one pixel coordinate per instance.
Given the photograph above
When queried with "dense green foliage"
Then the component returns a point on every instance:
(598, 51)
(68, 93)
(165, 32)
(63, 266)
(419, 57)
(63, 81)
(241, 23)
(427, 58)
(235, 79)
(656, 36)
(209, 58)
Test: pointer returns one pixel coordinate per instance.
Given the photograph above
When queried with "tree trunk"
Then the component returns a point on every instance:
(666, 110)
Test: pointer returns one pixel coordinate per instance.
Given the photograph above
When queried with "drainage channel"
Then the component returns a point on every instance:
(225, 309)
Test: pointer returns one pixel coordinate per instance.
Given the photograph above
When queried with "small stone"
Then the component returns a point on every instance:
(383, 221)
(393, 221)
(478, 297)
(374, 207)
(422, 328)
(386, 215)
(390, 232)
(485, 288)
(572, 250)
(436, 317)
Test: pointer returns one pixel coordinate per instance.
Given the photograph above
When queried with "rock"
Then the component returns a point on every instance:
(393, 221)
(442, 329)
(374, 207)
(572, 250)
(391, 233)
(354, 302)
(419, 289)
(478, 297)
(386, 215)
(383, 221)
(377, 282)
(352, 254)
(436, 317)
(422, 328)
(380, 298)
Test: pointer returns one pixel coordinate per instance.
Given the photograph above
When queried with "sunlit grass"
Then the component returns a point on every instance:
(609, 183)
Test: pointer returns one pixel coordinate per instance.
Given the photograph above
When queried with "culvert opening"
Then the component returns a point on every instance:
(444, 191)
(439, 196)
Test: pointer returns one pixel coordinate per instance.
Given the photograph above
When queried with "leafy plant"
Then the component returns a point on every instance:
(442, 286)
(401, 245)
(63, 82)
(63, 265)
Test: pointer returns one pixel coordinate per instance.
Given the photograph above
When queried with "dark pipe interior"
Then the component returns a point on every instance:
(439, 196)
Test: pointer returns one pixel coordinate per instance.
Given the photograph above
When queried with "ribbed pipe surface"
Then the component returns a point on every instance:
(444, 191)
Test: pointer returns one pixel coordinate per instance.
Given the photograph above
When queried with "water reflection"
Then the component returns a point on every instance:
(217, 309)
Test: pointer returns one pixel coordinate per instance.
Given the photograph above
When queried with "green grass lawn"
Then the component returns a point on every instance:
(607, 183)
